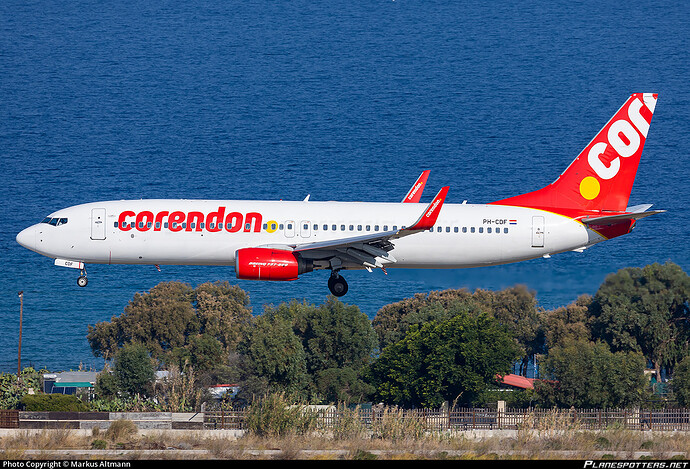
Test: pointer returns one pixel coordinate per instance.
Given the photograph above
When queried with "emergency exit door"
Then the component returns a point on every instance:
(98, 223)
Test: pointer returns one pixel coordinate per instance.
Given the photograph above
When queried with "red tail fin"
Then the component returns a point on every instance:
(602, 176)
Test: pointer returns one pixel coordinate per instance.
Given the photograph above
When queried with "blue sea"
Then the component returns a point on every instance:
(339, 100)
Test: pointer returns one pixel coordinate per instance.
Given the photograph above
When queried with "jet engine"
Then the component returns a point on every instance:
(269, 264)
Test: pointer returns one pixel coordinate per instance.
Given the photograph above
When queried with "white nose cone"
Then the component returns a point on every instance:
(27, 238)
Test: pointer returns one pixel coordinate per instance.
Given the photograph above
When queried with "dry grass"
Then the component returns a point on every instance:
(391, 439)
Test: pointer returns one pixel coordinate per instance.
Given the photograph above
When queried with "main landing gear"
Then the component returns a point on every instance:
(337, 284)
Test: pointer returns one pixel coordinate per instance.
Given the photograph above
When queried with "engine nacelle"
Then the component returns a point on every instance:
(269, 264)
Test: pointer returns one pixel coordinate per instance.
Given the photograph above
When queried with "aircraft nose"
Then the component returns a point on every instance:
(27, 238)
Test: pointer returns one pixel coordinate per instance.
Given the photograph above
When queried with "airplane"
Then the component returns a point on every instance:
(281, 240)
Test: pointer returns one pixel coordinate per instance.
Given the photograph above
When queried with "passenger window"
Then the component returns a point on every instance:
(505, 230)
(464, 229)
(455, 229)
(488, 230)
(472, 229)
(481, 229)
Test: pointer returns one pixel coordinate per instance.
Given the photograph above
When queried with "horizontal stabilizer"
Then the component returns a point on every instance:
(620, 217)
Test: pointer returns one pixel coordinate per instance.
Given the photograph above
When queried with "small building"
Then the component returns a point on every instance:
(69, 382)
(218, 391)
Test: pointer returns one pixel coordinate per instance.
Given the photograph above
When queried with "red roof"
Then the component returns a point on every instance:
(517, 381)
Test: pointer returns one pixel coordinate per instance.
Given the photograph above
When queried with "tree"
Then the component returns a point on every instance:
(681, 382)
(223, 312)
(338, 341)
(274, 357)
(445, 360)
(567, 323)
(134, 370)
(514, 307)
(645, 309)
(393, 321)
(333, 334)
(589, 374)
(175, 322)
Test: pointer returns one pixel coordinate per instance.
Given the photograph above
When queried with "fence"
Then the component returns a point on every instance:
(489, 419)
(430, 419)
(9, 419)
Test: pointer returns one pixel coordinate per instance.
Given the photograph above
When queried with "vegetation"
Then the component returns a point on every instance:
(444, 360)
(393, 438)
(430, 349)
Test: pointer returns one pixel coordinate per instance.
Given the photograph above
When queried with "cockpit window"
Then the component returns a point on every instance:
(55, 221)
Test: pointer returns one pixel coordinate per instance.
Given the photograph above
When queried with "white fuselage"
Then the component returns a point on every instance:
(145, 231)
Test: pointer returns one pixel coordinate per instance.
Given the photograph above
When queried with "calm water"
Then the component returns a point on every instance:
(340, 100)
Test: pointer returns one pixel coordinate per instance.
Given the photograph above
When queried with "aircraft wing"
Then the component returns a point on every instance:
(417, 188)
(370, 250)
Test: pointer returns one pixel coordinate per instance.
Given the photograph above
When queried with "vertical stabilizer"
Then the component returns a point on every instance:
(602, 176)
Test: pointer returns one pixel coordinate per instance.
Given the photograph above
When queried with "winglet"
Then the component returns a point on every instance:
(417, 188)
(428, 219)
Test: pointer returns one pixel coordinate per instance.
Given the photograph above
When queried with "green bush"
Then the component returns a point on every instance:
(52, 403)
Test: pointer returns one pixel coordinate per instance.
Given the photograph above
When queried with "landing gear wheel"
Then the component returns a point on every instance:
(82, 281)
(337, 285)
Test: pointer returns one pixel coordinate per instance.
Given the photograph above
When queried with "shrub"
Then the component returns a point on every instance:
(272, 416)
(52, 403)
(121, 430)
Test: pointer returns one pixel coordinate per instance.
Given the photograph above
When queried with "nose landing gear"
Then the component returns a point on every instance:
(82, 281)
(337, 284)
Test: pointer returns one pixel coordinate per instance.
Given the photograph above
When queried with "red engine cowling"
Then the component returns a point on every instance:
(269, 264)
